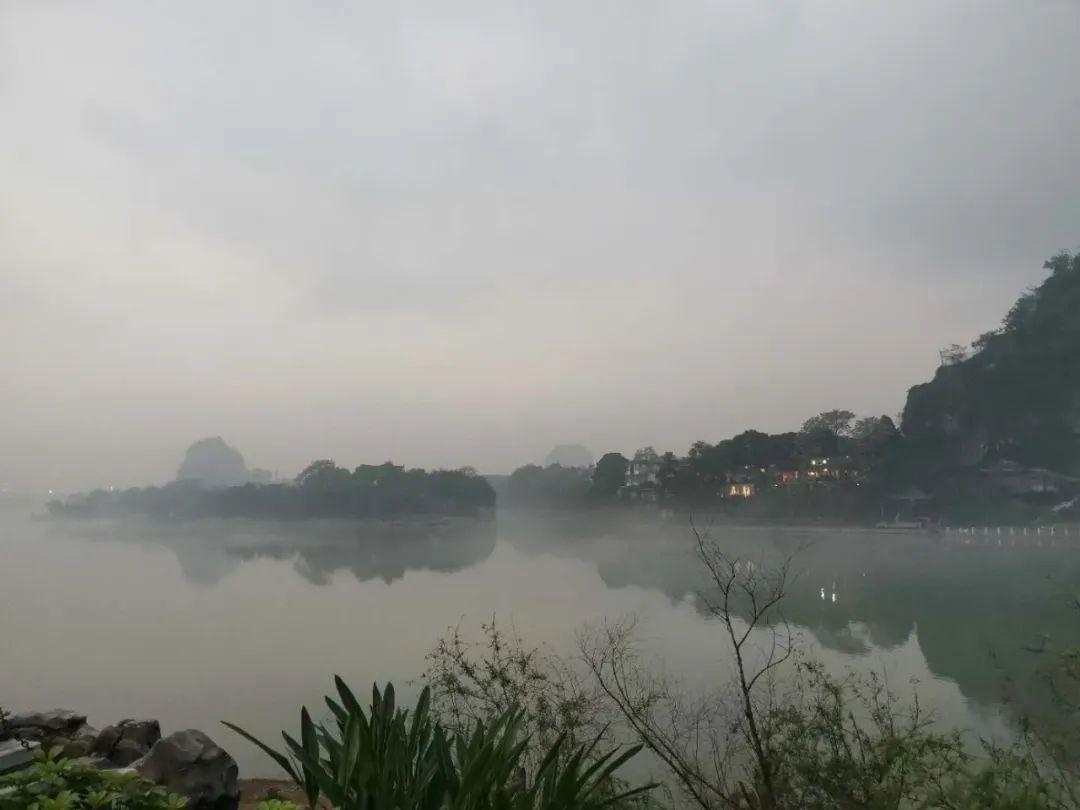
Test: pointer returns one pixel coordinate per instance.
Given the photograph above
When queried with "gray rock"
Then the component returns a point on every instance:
(193, 765)
(126, 752)
(86, 731)
(76, 747)
(51, 723)
(140, 733)
(79, 743)
(34, 734)
(15, 755)
(143, 732)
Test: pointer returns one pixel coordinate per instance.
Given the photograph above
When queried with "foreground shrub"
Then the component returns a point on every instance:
(781, 733)
(851, 743)
(475, 679)
(390, 758)
(59, 784)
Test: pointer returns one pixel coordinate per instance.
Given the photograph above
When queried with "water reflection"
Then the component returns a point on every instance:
(209, 550)
(244, 620)
(977, 611)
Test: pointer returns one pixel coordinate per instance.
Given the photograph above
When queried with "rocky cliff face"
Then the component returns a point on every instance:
(1015, 396)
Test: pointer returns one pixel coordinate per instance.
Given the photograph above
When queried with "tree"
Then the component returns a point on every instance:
(667, 476)
(555, 485)
(323, 489)
(473, 679)
(983, 340)
(870, 426)
(646, 455)
(316, 473)
(952, 354)
(610, 475)
(818, 743)
(818, 442)
(838, 422)
(710, 463)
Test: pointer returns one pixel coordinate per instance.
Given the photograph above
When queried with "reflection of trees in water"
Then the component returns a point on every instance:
(387, 551)
(977, 612)
(209, 550)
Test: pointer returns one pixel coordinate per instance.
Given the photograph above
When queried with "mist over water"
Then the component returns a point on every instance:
(332, 334)
(201, 621)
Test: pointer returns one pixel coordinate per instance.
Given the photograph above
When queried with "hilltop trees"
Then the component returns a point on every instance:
(837, 422)
(869, 426)
(609, 475)
(1015, 398)
(646, 456)
(377, 490)
(832, 451)
(321, 490)
(554, 485)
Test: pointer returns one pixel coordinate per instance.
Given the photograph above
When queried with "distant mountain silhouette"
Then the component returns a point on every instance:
(569, 455)
(214, 463)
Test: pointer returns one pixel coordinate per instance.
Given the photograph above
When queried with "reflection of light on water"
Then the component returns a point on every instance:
(831, 597)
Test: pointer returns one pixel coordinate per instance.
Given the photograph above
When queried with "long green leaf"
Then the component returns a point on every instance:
(348, 699)
(279, 758)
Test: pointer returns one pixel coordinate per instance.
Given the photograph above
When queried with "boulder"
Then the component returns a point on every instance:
(126, 752)
(193, 765)
(80, 743)
(127, 740)
(52, 723)
(52, 727)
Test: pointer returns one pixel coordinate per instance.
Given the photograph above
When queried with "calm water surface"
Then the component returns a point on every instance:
(194, 623)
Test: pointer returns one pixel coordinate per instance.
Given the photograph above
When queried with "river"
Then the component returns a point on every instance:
(245, 621)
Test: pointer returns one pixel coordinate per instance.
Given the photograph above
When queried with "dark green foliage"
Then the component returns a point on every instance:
(1010, 779)
(390, 758)
(609, 476)
(782, 733)
(849, 743)
(322, 490)
(57, 784)
(837, 422)
(277, 804)
(553, 485)
(472, 680)
(859, 463)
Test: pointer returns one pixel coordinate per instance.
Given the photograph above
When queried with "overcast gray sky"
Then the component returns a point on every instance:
(457, 233)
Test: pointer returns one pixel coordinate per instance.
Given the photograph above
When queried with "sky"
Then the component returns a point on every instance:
(461, 233)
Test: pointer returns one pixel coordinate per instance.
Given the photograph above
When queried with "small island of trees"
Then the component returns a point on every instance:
(323, 489)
